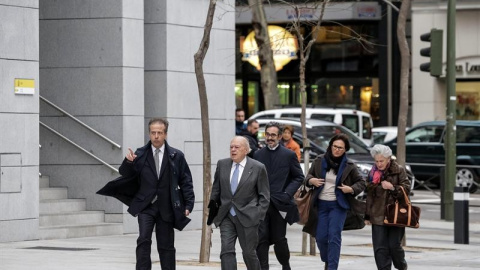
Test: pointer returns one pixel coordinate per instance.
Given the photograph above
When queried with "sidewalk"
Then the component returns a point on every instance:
(430, 246)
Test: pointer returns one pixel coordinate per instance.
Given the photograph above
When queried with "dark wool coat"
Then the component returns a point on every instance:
(127, 188)
(378, 198)
(285, 176)
(349, 177)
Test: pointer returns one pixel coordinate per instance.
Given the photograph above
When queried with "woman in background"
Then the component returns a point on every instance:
(289, 142)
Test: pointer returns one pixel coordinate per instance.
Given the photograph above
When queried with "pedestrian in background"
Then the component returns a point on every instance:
(336, 181)
(251, 134)
(156, 183)
(285, 176)
(289, 142)
(240, 190)
(239, 119)
(383, 184)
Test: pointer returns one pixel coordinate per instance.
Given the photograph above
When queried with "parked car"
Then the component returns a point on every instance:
(358, 122)
(319, 133)
(383, 134)
(425, 151)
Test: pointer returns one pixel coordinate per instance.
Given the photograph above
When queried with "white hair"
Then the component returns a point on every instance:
(244, 141)
(380, 149)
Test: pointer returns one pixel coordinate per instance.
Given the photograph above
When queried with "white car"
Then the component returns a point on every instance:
(383, 134)
(358, 122)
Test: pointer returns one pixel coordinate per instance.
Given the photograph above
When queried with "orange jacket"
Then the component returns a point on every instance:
(293, 145)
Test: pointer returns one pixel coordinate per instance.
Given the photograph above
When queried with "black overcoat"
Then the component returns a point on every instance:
(126, 187)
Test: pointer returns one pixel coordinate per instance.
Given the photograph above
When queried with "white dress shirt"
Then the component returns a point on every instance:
(240, 169)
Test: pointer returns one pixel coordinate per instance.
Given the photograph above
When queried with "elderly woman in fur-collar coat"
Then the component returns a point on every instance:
(383, 187)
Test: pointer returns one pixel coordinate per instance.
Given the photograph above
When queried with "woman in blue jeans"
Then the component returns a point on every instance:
(334, 178)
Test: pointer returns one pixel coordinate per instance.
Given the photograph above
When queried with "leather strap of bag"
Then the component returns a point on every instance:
(396, 213)
(409, 205)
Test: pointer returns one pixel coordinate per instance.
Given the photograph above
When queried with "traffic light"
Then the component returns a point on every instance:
(435, 52)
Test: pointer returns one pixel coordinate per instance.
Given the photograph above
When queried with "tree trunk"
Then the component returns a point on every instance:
(404, 79)
(304, 52)
(268, 74)
(202, 91)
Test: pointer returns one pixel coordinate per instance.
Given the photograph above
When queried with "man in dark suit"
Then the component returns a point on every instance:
(240, 189)
(157, 185)
(285, 176)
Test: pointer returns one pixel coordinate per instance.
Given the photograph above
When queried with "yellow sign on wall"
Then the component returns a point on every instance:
(283, 44)
(24, 86)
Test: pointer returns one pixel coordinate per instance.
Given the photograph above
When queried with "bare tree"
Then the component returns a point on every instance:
(202, 91)
(268, 74)
(404, 79)
(304, 52)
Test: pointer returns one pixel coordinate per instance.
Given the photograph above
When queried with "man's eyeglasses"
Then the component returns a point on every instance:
(338, 148)
(273, 135)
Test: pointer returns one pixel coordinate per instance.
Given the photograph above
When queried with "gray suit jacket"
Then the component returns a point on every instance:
(252, 197)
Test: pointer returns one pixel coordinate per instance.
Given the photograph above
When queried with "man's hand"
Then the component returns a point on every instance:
(130, 155)
(187, 213)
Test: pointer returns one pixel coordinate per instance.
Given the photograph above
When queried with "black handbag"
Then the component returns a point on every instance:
(355, 219)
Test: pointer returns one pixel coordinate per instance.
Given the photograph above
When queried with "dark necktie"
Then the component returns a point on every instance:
(234, 184)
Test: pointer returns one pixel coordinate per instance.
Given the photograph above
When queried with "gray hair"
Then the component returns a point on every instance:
(380, 149)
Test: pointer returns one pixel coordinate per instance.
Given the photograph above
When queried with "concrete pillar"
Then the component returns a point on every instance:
(173, 31)
(91, 65)
(19, 140)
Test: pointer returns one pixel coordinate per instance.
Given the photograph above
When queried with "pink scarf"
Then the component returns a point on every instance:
(376, 174)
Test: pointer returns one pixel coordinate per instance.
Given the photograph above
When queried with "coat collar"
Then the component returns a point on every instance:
(172, 152)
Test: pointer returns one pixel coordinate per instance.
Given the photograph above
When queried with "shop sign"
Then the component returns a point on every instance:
(367, 11)
(303, 13)
(283, 44)
(468, 68)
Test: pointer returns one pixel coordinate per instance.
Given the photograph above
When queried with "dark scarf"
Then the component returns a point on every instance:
(333, 162)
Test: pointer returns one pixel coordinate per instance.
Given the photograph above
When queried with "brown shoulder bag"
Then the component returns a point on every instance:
(402, 213)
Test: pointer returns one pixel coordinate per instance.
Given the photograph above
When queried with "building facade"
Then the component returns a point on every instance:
(111, 65)
(429, 93)
(354, 61)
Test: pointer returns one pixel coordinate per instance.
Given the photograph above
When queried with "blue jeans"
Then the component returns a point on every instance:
(331, 217)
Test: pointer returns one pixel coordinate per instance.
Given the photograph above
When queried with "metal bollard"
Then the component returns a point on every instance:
(461, 220)
(442, 193)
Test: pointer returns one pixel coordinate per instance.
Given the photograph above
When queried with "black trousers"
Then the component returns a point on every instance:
(149, 219)
(387, 247)
(272, 231)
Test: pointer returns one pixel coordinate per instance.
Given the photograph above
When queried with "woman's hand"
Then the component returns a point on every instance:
(387, 185)
(346, 189)
(317, 182)
(367, 222)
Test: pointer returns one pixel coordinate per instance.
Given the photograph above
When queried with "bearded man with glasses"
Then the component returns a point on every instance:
(285, 176)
